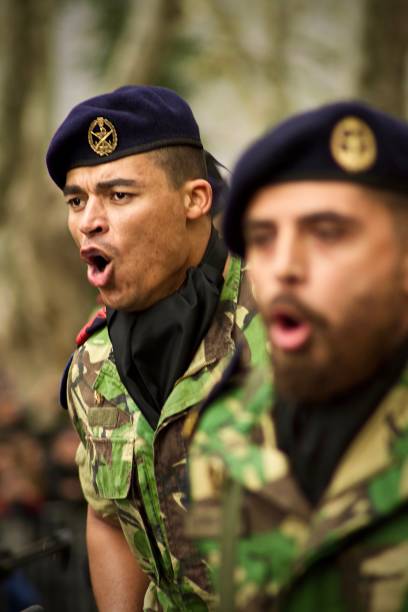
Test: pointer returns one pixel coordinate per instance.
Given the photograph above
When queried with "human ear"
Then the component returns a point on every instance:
(197, 198)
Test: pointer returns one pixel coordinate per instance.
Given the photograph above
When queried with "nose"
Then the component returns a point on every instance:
(93, 218)
(289, 259)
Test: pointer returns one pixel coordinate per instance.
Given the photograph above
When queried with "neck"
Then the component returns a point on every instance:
(199, 235)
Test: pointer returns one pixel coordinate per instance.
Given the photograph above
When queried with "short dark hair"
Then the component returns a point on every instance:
(181, 163)
(398, 205)
(397, 202)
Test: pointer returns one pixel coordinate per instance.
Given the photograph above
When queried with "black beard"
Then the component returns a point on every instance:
(352, 355)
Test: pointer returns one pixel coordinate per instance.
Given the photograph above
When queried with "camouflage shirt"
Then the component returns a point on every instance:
(267, 547)
(137, 476)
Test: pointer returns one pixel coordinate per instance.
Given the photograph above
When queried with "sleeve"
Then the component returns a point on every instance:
(104, 507)
(78, 412)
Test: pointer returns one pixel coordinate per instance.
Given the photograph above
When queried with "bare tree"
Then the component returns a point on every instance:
(141, 48)
(384, 54)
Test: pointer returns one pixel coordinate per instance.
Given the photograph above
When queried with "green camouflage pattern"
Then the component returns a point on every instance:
(136, 476)
(269, 549)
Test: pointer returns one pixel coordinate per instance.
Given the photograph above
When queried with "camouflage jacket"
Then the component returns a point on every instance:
(137, 476)
(268, 548)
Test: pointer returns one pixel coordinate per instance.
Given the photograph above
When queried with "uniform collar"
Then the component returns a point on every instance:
(217, 344)
(369, 483)
(218, 341)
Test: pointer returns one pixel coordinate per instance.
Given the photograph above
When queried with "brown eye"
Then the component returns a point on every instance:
(259, 240)
(75, 202)
(328, 231)
(119, 196)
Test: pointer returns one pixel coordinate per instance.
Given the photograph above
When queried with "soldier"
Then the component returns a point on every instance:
(299, 467)
(132, 168)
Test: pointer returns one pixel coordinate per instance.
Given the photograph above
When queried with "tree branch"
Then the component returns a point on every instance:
(139, 49)
(385, 45)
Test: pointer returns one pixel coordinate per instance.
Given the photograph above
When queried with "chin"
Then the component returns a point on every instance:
(129, 302)
(127, 305)
(112, 302)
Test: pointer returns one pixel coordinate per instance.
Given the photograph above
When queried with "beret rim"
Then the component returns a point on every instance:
(141, 148)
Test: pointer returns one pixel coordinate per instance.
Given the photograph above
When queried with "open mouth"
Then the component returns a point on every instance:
(99, 262)
(99, 267)
(288, 330)
(286, 321)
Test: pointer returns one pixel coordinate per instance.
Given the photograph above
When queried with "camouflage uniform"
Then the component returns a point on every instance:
(349, 553)
(137, 476)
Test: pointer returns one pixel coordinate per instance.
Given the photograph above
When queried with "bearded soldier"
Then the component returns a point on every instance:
(299, 467)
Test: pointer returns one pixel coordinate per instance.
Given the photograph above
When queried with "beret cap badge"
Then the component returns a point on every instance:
(353, 145)
(347, 141)
(102, 136)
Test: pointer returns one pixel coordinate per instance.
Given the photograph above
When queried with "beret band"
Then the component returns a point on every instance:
(142, 148)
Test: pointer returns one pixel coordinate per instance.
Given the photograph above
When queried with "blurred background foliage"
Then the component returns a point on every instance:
(242, 66)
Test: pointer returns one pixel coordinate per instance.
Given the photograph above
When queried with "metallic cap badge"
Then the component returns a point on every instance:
(353, 145)
(102, 136)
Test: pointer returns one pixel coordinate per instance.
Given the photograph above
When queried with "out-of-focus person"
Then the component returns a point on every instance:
(299, 468)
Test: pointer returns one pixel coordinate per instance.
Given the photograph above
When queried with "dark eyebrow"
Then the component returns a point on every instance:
(71, 189)
(325, 215)
(328, 216)
(103, 186)
(254, 224)
(117, 182)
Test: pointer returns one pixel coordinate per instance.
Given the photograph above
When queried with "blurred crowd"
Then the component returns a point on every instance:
(42, 512)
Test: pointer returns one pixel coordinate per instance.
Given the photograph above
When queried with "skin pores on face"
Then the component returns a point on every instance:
(130, 225)
(330, 278)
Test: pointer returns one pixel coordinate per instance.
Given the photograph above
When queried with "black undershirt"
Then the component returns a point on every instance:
(315, 436)
(154, 347)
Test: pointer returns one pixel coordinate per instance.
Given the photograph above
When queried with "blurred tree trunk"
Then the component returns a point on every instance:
(39, 278)
(245, 64)
(15, 41)
(141, 46)
(276, 66)
(385, 44)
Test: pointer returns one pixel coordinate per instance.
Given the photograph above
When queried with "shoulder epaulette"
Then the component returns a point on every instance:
(95, 323)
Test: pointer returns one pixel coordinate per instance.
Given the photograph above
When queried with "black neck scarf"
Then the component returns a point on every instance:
(154, 347)
(315, 436)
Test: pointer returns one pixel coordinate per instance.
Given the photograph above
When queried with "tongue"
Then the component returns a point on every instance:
(97, 277)
(289, 337)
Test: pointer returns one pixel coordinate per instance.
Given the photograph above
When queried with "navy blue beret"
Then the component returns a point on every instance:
(343, 141)
(131, 119)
